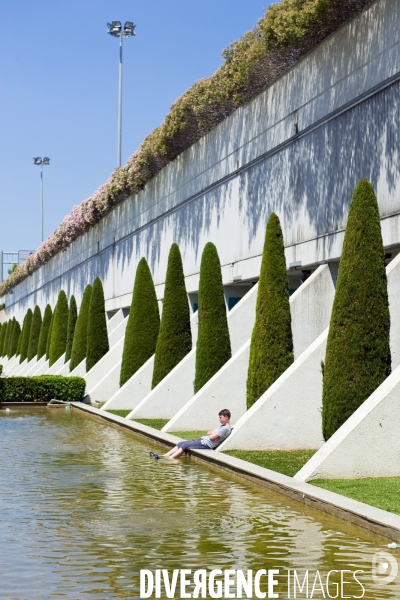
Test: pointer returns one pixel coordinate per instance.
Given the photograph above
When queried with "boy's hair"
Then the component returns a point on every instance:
(225, 412)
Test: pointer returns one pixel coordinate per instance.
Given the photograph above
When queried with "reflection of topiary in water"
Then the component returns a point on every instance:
(15, 338)
(357, 354)
(44, 331)
(35, 333)
(59, 329)
(97, 337)
(271, 348)
(143, 324)
(73, 315)
(213, 344)
(175, 337)
(79, 343)
(26, 332)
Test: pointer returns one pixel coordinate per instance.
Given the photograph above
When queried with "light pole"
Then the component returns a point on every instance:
(41, 161)
(116, 30)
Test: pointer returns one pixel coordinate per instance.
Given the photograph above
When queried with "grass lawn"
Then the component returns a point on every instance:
(287, 462)
(119, 413)
(154, 423)
(382, 492)
(188, 435)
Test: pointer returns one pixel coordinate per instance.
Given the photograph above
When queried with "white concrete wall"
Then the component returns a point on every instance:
(102, 381)
(393, 277)
(225, 186)
(288, 415)
(172, 393)
(367, 444)
(310, 308)
(138, 386)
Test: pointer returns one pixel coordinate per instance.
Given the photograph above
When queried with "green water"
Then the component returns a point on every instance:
(84, 508)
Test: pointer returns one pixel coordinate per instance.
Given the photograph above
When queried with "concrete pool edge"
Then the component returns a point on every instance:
(368, 517)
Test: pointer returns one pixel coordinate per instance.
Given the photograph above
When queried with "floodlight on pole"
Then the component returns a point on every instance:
(40, 162)
(116, 30)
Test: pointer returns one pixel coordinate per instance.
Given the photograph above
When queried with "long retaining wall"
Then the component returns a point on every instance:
(298, 149)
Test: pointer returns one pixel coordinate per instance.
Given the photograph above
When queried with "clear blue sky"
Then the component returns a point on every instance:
(59, 92)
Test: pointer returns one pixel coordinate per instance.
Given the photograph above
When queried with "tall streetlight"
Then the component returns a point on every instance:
(41, 161)
(116, 30)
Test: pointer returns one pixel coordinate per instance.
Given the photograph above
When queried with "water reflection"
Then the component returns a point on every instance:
(84, 508)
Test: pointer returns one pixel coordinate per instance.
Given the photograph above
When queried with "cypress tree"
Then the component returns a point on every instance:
(20, 338)
(79, 343)
(48, 342)
(9, 335)
(143, 324)
(213, 343)
(357, 354)
(59, 330)
(44, 331)
(271, 347)
(73, 315)
(175, 337)
(35, 333)
(3, 337)
(97, 337)
(15, 338)
(26, 331)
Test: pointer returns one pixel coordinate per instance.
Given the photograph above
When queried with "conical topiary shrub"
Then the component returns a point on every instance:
(20, 340)
(213, 343)
(73, 315)
(97, 337)
(26, 332)
(5, 329)
(44, 332)
(79, 343)
(9, 335)
(143, 324)
(59, 330)
(2, 336)
(35, 333)
(357, 354)
(49, 335)
(175, 337)
(15, 338)
(271, 348)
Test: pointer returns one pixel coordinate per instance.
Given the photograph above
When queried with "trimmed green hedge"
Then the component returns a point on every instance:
(271, 348)
(59, 330)
(213, 343)
(44, 331)
(42, 388)
(48, 342)
(175, 337)
(79, 343)
(73, 315)
(357, 353)
(97, 337)
(15, 338)
(9, 336)
(35, 333)
(26, 332)
(143, 324)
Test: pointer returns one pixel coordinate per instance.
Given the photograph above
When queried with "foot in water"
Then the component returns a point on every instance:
(154, 455)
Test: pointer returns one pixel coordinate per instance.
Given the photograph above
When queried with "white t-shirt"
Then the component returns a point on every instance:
(223, 432)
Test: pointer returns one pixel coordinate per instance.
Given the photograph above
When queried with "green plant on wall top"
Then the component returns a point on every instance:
(15, 338)
(35, 333)
(59, 329)
(73, 315)
(357, 354)
(213, 343)
(97, 337)
(79, 343)
(271, 348)
(44, 332)
(26, 331)
(143, 324)
(175, 337)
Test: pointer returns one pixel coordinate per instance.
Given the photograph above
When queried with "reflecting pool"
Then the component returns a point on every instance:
(84, 508)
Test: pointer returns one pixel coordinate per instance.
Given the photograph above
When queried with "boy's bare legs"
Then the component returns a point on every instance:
(173, 453)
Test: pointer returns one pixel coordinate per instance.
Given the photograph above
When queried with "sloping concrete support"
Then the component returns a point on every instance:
(288, 415)
(102, 381)
(43, 368)
(29, 365)
(18, 368)
(176, 389)
(227, 389)
(9, 364)
(115, 321)
(79, 370)
(64, 370)
(55, 367)
(138, 386)
(38, 363)
(367, 444)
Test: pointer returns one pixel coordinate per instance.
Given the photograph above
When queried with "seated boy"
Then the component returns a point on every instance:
(206, 442)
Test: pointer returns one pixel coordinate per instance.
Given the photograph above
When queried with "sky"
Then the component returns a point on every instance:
(59, 92)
